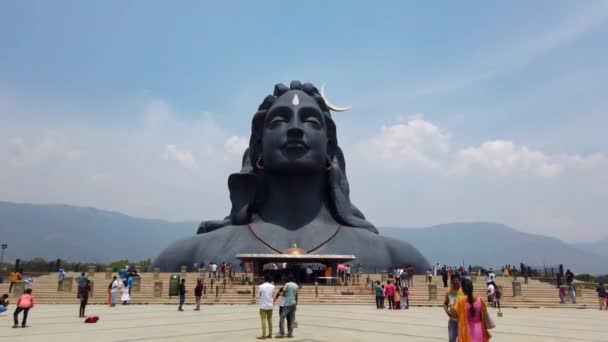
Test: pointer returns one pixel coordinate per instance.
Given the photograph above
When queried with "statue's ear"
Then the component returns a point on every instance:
(242, 188)
(332, 150)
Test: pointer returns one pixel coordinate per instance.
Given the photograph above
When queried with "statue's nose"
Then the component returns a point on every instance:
(295, 132)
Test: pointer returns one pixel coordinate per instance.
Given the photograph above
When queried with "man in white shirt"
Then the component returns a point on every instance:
(491, 291)
(213, 268)
(113, 289)
(266, 303)
(309, 273)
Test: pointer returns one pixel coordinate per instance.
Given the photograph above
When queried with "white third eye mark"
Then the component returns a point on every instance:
(296, 100)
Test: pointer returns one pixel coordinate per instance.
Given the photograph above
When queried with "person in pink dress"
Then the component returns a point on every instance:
(471, 311)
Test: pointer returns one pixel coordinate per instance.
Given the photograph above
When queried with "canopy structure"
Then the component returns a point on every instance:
(294, 256)
(325, 259)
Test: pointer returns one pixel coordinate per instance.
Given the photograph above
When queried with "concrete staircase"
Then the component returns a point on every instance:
(534, 294)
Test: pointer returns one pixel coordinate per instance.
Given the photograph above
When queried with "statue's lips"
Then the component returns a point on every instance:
(296, 144)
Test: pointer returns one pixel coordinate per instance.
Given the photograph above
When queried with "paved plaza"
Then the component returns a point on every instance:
(316, 323)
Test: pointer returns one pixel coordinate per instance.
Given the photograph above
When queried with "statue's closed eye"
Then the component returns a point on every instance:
(277, 120)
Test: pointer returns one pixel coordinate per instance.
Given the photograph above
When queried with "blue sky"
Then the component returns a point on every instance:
(461, 111)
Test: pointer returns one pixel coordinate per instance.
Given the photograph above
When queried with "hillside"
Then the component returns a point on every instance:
(599, 247)
(83, 234)
(495, 244)
(88, 234)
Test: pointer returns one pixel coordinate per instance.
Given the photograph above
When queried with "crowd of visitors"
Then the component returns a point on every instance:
(397, 295)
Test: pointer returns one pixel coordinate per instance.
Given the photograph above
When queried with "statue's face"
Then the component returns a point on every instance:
(295, 136)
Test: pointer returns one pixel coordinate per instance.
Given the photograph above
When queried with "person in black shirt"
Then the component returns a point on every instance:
(569, 276)
(198, 293)
(601, 296)
(84, 297)
(182, 294)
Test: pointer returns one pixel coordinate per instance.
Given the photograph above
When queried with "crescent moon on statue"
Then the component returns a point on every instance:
(329, 104)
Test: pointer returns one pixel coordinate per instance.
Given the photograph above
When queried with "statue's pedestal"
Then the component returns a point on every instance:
(68, 282)
(136, 285)
(158, 289)
(516, 289)
(432, 291)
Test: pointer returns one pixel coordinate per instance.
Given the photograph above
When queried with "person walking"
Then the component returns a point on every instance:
(60, 278)
(14, 277)
(471, 311)
(266, 290)
(113, 288)
(601, 296)
(405, 297)
(491, 291)
(451, 296)
(572, 292)
(130, 283)
(182, 295)
(213, 269)
(289, 310)
(390, 294)
(122, 273)
(378, 292)
(444, 277)
(84, 297)
(198, 294)
(81, 282)
(429, 276)
(24, 303)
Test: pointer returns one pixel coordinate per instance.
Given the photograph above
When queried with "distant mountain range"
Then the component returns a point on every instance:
(89, 234)
(599, 247)
(493, 244)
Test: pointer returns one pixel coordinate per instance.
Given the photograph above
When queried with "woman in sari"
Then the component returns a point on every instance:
(471, 311)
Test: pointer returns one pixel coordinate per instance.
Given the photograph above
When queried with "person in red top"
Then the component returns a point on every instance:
(390, 293)
(24, 303)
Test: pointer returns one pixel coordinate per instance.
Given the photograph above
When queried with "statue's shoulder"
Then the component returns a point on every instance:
(184, 250)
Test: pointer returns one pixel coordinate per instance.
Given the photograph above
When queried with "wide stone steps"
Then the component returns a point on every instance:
(534, 294)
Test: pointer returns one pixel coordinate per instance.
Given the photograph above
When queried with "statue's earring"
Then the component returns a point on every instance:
(259, 163)
(330, 164)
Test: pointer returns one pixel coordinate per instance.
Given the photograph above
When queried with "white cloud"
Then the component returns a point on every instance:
(183, 158)
(22, 153)
(506, 158)
(97, 178)
(236, 144)
(157, 112)
(414, 142)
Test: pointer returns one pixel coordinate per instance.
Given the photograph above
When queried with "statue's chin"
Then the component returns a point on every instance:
(296, 167)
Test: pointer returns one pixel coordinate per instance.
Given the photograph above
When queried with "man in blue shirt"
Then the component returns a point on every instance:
(289, 310)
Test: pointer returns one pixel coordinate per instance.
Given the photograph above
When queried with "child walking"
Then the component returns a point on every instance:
(24, 303)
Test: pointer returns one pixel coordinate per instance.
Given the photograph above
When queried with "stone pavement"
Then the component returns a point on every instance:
(316, 323)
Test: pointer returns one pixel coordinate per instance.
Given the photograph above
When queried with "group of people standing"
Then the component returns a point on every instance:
(225, 268)
(288, 298)
(397, 295)
(404, 275)
(123, 283)
(198, 294)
